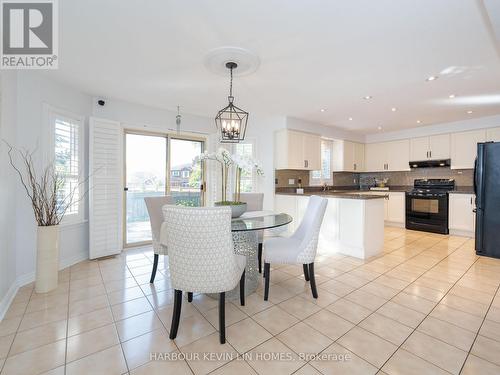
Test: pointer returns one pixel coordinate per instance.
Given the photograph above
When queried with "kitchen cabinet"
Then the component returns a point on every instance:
(396, 208)
(435, 147)
(348, 156)
(464, 148)
(461, 217)
(493, 135)
(387, 156)
(297, 150)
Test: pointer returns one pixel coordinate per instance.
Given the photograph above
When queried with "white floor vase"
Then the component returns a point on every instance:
(47, 259)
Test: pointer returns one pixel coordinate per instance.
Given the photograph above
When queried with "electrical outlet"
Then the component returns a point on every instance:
(291, 181)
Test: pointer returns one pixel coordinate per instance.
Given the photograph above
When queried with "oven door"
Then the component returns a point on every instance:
(427, 213)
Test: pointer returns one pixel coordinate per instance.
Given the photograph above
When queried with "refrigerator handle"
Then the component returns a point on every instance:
(475, 177)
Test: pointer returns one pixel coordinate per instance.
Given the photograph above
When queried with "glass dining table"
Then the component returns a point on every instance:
(245, 231)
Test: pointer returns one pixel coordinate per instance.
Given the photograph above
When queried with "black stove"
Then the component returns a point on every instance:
(427, 205)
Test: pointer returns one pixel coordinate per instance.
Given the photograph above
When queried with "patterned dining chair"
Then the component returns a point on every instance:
(300, 248)
(154, 206)
(201, 257)
(255, 202)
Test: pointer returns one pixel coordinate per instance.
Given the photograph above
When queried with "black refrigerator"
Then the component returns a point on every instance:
(487, 190)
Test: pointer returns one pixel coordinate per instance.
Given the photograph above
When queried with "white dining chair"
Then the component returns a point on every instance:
(154, 206)
(255, 202)
(201, 257)
(300, 248)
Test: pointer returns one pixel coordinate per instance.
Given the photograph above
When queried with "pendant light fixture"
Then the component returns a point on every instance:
(178, 120)
(231, 121)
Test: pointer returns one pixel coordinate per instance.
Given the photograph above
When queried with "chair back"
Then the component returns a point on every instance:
(200, 249)
(254, 201)
(154, 206)
(308, 231)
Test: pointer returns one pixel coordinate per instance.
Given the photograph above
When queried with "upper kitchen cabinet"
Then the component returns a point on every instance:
(297, 150)
(435, 147)
(464, 148)
(493, 135)
(387, 156)
(348, 156)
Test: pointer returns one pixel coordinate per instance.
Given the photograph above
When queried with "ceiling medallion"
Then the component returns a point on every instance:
(231, 121)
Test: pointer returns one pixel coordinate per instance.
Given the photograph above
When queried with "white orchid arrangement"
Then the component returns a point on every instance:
(226, 160)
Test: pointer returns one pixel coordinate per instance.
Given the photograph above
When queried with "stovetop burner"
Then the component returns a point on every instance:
(432, 186)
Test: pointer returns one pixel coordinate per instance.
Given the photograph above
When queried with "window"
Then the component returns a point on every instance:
(176, 173)
(248, 178)
(68, 160)
(325, 174)
(185, 174)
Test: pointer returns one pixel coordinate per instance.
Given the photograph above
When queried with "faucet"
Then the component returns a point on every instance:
(325, 186)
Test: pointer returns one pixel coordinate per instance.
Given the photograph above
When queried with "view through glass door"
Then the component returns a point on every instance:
(186, 178)
(157, 165)
(145, 176)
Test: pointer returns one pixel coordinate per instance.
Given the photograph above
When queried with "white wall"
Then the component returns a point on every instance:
(448, 127)
(325, 131)
(25, 93)
(8, 113)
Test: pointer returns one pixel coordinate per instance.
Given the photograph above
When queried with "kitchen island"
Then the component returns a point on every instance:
(353, 224)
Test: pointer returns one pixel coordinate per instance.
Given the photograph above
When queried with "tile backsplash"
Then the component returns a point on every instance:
(283, 176)
(463, 177)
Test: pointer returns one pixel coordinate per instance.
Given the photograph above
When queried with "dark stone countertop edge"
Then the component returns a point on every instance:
(343, 191)
(343, 195)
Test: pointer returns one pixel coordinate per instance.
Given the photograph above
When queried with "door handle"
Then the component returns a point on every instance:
(125, 189)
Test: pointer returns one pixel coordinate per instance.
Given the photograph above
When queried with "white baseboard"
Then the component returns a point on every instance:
(394, 224)
(462, 233)
(29, 278)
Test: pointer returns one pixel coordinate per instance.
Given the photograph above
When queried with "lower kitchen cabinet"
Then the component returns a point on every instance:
(396, 208)
(461, 217)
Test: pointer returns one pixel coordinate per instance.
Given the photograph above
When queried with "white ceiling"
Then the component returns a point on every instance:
(313, 54)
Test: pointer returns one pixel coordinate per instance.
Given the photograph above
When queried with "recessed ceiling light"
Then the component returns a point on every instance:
(469, 112)
(419, 122)
(367, 97)
(394, 109)
(431, 78)
(451, 96)
(322, 110)
(350, 118)
(379, 127)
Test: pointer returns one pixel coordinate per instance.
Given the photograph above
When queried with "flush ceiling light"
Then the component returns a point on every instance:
(231, 121)
(322, 110)
(367, 97)
(469, 112)
(451, 96)
(394, 109)
(379, 127)
(418, 121)
(350, 118)
(431, 78)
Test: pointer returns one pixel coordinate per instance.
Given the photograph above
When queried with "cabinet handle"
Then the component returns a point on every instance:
(305, 163)
(354, 166)
(430, 154)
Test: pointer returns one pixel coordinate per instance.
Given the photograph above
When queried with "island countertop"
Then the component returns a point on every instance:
(339, 194)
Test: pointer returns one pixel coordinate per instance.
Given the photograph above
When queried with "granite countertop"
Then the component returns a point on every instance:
(345, 194)
(349, 192)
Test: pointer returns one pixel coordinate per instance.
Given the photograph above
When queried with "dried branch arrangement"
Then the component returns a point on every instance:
(44, 190)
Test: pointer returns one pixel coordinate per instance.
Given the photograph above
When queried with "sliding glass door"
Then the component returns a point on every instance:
(186, 177)
(156, 165)
(145, 176)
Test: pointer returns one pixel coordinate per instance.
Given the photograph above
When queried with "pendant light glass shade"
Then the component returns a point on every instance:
(231, 121)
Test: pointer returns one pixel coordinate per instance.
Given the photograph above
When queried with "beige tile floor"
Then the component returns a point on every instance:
(428, 305)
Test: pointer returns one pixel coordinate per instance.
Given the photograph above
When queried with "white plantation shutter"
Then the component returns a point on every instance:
(106, 188)
(67, 152)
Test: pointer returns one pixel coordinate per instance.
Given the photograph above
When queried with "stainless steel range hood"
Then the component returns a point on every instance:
(430, 163)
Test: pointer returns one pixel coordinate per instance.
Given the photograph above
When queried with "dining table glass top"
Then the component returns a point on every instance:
(259, 220)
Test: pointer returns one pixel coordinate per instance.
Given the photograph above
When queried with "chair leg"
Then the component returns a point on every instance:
(222, 318)
(306, 272)
(155, 266)
(259, 257)
(267, 276)
(242, 289)
(190, 296)
(313, 280)
(176, 314)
